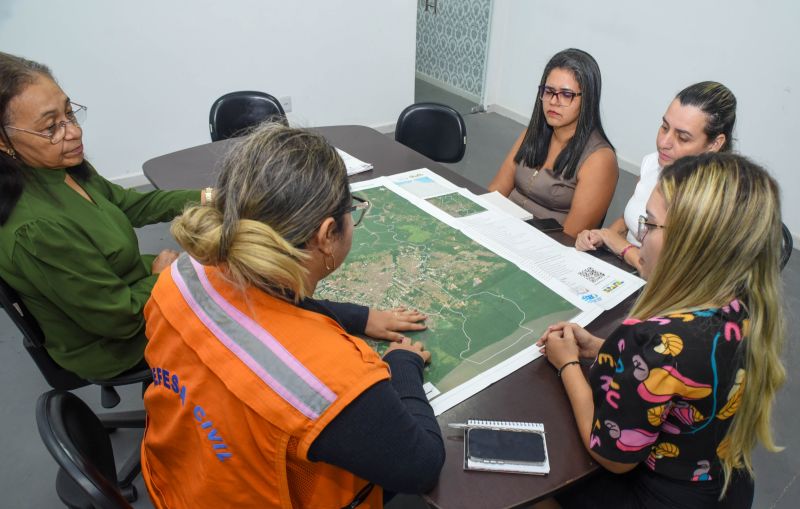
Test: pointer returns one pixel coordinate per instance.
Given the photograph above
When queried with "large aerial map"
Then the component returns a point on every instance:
(481, 308)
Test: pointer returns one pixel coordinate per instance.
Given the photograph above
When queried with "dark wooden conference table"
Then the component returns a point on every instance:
(532, 393)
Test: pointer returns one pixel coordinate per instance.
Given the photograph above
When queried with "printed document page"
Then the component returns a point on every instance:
(353, 165)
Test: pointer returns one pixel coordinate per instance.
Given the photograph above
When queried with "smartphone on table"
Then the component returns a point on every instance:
(505, 446)
(547, 224)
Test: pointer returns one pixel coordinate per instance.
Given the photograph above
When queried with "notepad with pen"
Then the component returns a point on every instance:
(501, 446)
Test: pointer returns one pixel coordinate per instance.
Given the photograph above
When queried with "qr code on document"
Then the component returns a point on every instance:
(591, 274)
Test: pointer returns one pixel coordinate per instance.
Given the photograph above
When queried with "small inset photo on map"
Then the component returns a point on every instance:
(456, 204)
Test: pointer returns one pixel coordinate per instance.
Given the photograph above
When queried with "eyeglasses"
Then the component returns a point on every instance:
(359, 210)
(56, 132)
(564, 97)
(645, 227)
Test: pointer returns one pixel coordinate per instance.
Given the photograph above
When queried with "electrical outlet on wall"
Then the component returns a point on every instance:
(286, 102)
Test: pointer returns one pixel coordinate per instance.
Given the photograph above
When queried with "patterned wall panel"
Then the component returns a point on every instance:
(451, 44)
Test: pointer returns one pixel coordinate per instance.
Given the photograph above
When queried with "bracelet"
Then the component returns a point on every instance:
(208, 195)
(625, 250)
(565, 365)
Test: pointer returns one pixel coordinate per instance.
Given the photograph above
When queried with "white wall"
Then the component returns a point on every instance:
(648, 52)
(149, 70)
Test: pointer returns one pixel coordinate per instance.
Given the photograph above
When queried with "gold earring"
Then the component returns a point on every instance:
(333, 262)
(11, 152)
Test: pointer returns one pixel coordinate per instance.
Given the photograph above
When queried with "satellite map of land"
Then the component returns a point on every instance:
(455, 204)
(482, 309)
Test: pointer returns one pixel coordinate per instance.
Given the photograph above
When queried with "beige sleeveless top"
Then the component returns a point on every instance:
(542, 193)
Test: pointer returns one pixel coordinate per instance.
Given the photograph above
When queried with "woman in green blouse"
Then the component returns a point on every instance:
(67, 243)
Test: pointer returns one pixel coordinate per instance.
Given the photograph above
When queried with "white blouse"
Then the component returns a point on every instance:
(637, 205)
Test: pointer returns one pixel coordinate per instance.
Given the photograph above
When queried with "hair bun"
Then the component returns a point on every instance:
(198, 231)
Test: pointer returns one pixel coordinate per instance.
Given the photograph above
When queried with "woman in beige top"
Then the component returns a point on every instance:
(563, 166)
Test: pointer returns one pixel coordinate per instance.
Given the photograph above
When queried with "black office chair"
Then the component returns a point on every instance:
(232, 114)
(65, 380)
(76, 438)
(434, 130)
(787, 246)
(59, 378)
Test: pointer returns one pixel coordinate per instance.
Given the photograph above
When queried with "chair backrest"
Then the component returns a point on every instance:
(33, 340)
(786, 247)
(235, 112)
(79, 443)
(434, 130)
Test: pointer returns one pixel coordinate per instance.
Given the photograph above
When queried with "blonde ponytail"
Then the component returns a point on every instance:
(255, 255)
(276, 187)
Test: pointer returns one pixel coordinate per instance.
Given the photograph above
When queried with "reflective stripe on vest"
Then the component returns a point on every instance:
(250, 342)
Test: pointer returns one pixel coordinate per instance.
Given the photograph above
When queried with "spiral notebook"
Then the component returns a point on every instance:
(502, 446)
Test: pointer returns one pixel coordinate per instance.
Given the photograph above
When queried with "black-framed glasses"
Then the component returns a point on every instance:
(358, 209)
(564, 97)
(644, 227)
(56, 132)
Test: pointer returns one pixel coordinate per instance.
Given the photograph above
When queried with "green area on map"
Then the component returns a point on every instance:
(481, 308)
(456, 205)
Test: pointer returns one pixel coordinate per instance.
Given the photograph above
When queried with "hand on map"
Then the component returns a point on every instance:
(588, 345)
(406, 344)
(389, 323)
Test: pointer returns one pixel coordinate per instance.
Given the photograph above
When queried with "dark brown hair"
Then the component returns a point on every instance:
(16, 73)
(536, 143)
(718, 103)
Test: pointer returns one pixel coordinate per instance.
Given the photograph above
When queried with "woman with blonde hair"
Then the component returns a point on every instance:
(262, 397)
(680, 394)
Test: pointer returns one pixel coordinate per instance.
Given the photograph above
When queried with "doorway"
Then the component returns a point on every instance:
(452, 52)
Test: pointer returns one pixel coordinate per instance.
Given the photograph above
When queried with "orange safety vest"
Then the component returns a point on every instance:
(243, 383)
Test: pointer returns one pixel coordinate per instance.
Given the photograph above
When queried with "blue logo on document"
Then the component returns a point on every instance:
(590, 297)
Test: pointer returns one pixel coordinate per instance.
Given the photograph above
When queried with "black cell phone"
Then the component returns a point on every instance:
(547, 224)
(505, 446)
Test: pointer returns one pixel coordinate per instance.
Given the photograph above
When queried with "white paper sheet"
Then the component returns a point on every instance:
(353, 164)
(506, 205)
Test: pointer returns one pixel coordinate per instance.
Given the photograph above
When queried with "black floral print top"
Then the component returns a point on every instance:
(665, 390)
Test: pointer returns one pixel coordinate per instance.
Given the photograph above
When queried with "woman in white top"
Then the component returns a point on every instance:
(700, 119)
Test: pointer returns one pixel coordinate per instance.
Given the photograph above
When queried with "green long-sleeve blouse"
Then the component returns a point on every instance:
(77, 267)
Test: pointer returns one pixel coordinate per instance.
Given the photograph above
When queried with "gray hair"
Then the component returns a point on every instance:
(275, 188)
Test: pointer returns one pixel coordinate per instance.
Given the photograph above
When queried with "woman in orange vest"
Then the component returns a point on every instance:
(262, 397)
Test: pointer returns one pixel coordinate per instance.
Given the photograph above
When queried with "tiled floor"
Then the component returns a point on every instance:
(27, 474)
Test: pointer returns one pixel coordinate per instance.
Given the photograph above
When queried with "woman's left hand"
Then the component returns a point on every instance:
(385, 323)
(560, 346)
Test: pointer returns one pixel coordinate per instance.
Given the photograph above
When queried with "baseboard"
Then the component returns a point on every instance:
(448, 87)
(628, 166)
(508, 113)
(127, 181)
(384, 128)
